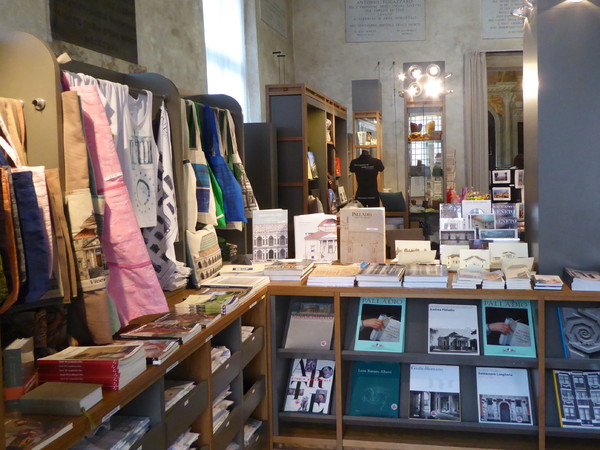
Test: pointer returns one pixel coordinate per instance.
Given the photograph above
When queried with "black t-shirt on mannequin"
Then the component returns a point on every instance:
(366, 168)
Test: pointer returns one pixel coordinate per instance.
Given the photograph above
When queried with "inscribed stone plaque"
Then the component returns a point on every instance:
(274, 14)
(497, 22)
(385, 20)
(105, 26)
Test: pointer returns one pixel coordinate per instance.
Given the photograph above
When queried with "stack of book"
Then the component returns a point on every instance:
(221, 406)
(493, 280)
(426, 276)
(289, 269)
(19, 371)
(218, 356)
(517, 277)
(380, 275)
(236, 281)
(178, 327)
(157, 350)
(119, 433)
(253, 270)
(112, 366)
(339, 275)
(34, 431)
(582, 280)
(60, 398)
(175, 390)
(467, 279)
(212, 301)
(547, 282)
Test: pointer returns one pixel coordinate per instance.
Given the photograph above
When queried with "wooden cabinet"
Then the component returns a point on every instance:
(338, 429)
(245, 372)
(307, 121)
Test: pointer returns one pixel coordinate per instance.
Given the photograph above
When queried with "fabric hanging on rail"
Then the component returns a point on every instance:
(92, 269)
(160, 240)
(31, 222)
(41, 192)
(233, 202)
(18, 232)
(209, 205)
(8, 244)
(132, 283)
(13, 118)
(232, 156)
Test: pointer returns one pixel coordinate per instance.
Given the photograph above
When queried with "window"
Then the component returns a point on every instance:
(225, 49)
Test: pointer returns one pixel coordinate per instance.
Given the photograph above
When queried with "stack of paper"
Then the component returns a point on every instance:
(517, 277)
(426, 276)
(175, 390)
(547, 282)
(221, 406)
(339, 275)
(212, 301)
(467, 279)
(380, 275)
(493, 280)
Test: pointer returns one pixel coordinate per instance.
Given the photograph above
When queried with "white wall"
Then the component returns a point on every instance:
(324, 60)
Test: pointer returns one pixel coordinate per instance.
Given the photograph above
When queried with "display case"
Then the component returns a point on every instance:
(368, 136)
(425, 154)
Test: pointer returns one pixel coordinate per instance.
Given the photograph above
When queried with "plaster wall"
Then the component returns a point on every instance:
(30, 16)
(325, 61)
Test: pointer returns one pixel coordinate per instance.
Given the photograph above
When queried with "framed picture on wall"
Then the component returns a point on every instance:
(519, 178)
(501, 194)
(520, 211)
(501, 176)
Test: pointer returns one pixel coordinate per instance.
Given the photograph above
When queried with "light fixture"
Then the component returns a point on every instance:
(428, 83)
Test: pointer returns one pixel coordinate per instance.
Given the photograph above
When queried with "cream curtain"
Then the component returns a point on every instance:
(476, 123)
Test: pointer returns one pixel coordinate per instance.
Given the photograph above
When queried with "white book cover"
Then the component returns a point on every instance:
(269, 234)
(453, 329)
(434, 392)
(476, 207)
(500, 251)
(474, 259)
(362, 235)
(503, 396)
(452, 224)
(450, 255)
(315, 237)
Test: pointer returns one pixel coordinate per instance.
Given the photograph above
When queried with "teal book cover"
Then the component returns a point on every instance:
(508, 328)
(375, 389)
(380, 325)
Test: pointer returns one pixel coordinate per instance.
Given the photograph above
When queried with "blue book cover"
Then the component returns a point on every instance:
(375, 389)
(380, 324)
(508, 328)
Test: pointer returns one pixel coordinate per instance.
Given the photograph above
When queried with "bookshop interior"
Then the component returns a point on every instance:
(287, 224)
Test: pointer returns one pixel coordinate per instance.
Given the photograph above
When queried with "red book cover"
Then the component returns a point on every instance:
(338, 167)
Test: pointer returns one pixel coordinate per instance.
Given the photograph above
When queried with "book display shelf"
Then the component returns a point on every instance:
(339, 429)
(244, 372)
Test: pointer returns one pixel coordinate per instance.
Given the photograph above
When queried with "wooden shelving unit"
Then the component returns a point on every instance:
(339, 430)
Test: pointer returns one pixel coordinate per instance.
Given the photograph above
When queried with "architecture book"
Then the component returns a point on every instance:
(374, 389)
(580, 332)
(362, 235)
(310, 386)
(453, 329)
(474, 259)
(315, 237)
(310, 325)
(61, 399)
(500, 251)
(450, 255)
(503, 396)
(157, 350)
(582, 280)
(380, 325)
(269, 234)
(508, 328)
(434, 392)
(34, 432)
(380, 275)
(578, 398)
(334, 275)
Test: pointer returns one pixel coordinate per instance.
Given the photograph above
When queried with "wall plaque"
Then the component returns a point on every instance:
(105, 26)
(385, 20)
(497, 22)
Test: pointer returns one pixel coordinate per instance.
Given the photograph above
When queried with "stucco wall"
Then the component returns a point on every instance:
(324, 60)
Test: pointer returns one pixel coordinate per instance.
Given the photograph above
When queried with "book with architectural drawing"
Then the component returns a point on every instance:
(315, 237)
(453, 329)
(577, 395)
(503, 396)
(269, 234)
(362, 235)
(434, 392)
(508, 328)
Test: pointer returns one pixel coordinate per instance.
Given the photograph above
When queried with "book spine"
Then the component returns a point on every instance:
(51, 407)
(558, 399)
(78, 370)
(84, 363)
(96, 379)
